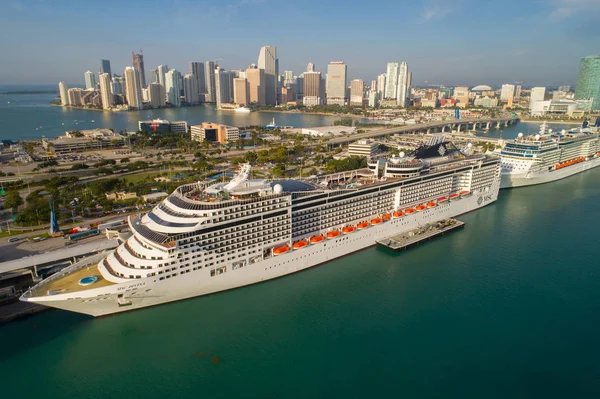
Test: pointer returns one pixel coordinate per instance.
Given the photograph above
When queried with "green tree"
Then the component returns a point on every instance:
(13, 200)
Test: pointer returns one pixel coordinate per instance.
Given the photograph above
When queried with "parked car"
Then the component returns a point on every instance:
(14, 239)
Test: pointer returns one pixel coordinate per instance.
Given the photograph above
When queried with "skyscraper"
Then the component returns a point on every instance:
(138, 64)
(156, 95)
(256, 85)
(118, 85)
(312, 88)
(357, 89)
(190, 89)
(381, 82)
(173, 88)
(133, 91)
(64, 93)
(209, 72)
(240, 91)
(588, 80)
(288, 77)
(391, 86)
(162, 71)
(310, 67)
(267, 60)
(197, 69)
(537, 94)
(223, 86)
(507, 92)
(402, 96)
(106, 91)
(154, 75)
(90, 80)
(336, 83)
(105, 68)
(518, 87)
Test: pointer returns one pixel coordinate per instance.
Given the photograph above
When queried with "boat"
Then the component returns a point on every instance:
(549, 156)
(431, 204)
(465, 193)
(442, 199)
(243, 110)
(398, 214)
(212, 235)
(375, 221)
(386, 216)
(454, 196)
(419, 208)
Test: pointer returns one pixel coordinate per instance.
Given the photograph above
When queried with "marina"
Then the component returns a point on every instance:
(416, 236)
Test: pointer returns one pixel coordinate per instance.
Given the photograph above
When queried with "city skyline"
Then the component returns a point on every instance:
(541, 44)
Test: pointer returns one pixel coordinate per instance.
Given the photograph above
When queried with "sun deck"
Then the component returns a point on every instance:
(70, 282)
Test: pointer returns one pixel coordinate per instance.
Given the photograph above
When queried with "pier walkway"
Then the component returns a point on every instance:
(423, 233)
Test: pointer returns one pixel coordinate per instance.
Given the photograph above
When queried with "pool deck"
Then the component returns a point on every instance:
(70, 282)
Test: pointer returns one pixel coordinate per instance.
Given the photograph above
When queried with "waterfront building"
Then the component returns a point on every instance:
(223, 86)
(312, 89)
(461, 95)
(391, 87)
(267, 60)
(83, 140)
(190, 89)
(373, 99)
(105, 68)
(173, 87)
(154, 75)
(90, 80)
(241, 92)
(336, 83)
(507, 92)
(256, 85)
(133, 91)
(518, 88)
(214, 132)
(106, 91)
(288, 94)
(357, 89)
(156, 95)
(537, 94)
(403, 86)
(163, 126)
(328, 131)
(197, 69)
(64, 94)
(138, 65)
(118, 85)
(381, 82)
(162, 71)
(485, 102)
(588, 80)
(363, 148)
(209, 70)
(74, 95)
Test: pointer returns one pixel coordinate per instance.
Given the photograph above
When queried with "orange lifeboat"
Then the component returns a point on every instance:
(398, 214)
(420, 208)
(465, 193)
(386, 216)
(362, 225)
(333, 234)
(409, 211)
(281, 250)
(453, 196)
(348, 229)
(316, 239)
(376, 221)
(299, 244)
(431, 204)
(442, 199)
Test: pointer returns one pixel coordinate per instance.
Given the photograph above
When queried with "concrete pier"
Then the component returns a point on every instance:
(416, 236)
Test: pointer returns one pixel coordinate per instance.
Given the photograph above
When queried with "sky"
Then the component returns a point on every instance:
(538, 42)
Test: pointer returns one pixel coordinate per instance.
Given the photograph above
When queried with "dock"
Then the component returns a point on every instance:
(423, 233)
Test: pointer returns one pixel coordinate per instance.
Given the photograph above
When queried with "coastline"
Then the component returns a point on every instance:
(552, 122)
(282, 111)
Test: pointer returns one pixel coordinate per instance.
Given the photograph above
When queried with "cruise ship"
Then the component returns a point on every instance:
(209, 237)
(549, 156)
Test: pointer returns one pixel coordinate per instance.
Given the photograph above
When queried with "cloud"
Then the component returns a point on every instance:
(564, 9)
(519, 52)
(435, 12)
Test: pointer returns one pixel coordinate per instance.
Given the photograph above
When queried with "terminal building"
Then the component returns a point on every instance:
(84, 140)
(329, 131)
(162, 126)
(363, 148)
(214, 132)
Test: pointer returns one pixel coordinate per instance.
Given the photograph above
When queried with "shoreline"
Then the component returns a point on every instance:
(552, 122)
(281, 111)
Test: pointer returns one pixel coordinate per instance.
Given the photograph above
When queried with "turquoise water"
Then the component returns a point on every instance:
(505, 308)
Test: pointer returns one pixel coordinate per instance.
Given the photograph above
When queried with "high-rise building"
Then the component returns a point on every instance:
(90, 80)
(461, 95)
(75, 95)
(209, 71)
(190, 89)
(381, 85)
(133, 91)
(267, 60)
(310, 67)
(537, 94)
(357, 89)
(312, 93)
(288, 77)
(156, 95)
(138, 64)
(154, 75)
(197, 69)
(106, 91)
(588, 80)
(63, 89)
(256, 85)
(518, 87)
(162, 71)
(105, 68)
(336, 83)
(173, 87)
(403, 86)
(391, 85)
(118, 85)
(507, 92)
(241, 91)
(223, 86)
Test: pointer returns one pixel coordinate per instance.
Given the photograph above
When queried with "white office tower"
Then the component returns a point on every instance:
(223, 86)
(106, 91)
(507, 93)
(162, 71)
(156, 95)
(391, 84)
(209, 71)
(267, 60)
(63, 89)
(289, 77)
(381, 82)
(90, 80)
(173, 88)
(403, 88)
(197, 69)
(336, 83)
(190, 89)
(133, 91)
(537, 94)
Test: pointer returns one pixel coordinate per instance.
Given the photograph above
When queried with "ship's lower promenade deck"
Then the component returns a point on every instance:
(70, 282)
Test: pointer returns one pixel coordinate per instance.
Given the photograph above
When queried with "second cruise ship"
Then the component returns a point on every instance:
(205, 238)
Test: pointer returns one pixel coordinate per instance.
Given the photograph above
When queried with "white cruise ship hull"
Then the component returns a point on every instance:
(512, 180)
(149, 292)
